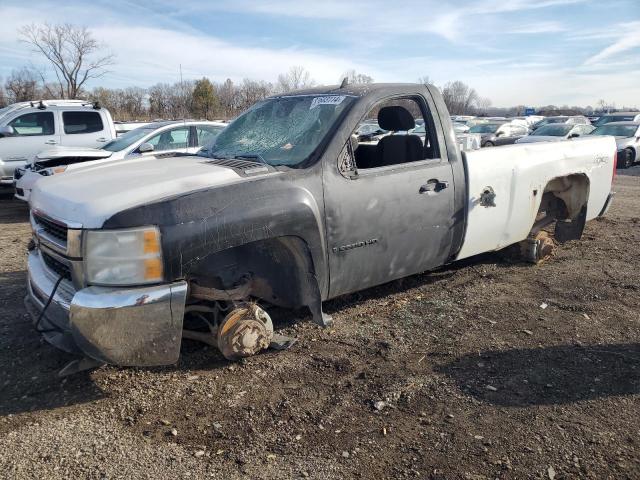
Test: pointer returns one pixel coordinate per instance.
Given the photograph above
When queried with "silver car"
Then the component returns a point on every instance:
(627, 138)
(617, 117)
(556, 133)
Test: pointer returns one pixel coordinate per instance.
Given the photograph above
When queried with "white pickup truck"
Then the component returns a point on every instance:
(288, 208)
(29, 127)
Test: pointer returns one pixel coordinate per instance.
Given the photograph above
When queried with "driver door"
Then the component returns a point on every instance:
(393, 220)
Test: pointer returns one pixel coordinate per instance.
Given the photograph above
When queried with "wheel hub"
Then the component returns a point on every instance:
(245, 331)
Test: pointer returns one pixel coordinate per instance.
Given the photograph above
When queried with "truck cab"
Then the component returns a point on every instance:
(28, 128)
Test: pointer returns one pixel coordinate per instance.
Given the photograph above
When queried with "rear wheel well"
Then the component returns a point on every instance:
(564, 203)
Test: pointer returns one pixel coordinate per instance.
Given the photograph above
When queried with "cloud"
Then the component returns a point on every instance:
(489, 44)
(536, 28)
(628, 39)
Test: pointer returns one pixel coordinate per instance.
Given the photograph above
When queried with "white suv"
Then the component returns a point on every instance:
(29, 127)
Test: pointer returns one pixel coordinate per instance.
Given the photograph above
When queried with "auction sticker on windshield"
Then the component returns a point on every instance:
(327, 100)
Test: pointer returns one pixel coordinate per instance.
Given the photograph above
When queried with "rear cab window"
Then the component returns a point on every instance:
(77, 122)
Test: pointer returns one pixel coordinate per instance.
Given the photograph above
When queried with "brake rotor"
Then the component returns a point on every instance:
(245, 331)
(538, 248)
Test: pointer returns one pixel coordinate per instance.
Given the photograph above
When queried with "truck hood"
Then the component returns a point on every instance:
(539, 138)
(93, 194)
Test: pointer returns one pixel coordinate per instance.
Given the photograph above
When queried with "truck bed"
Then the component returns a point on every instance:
(518, 175)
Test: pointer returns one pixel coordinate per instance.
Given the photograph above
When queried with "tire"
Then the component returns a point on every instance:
(488, 145)
(629, 157)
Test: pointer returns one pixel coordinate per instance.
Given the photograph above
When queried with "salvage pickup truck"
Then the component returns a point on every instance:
(286, 208)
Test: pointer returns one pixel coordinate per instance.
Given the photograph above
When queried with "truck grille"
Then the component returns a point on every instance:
(56, 266)
(54, 229)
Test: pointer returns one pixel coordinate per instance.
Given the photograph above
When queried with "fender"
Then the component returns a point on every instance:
(199, 224)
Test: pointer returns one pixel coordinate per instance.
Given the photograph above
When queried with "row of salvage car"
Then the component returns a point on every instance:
(498, 131)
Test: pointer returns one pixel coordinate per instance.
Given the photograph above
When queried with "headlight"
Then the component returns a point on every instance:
(54, 170)
(123, 257)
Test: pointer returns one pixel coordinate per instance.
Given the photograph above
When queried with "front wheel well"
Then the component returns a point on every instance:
(280, 271)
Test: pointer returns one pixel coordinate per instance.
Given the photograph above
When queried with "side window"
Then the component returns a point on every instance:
(33, 124)
(207, 133)
(394, 132)
(170, 139)
(81, 122)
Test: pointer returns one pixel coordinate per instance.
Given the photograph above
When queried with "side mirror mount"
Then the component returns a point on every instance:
(574, 135)
(6, 131)
(145, 148)
(353, 143)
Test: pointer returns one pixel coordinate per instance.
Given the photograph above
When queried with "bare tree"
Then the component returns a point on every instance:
(22, 85)
(71, 50)
(459, 97)
(355, 78)
(295, 79)
(425, 80)
(228, 98)
(482, 105)
(3, 98)
(252, 91)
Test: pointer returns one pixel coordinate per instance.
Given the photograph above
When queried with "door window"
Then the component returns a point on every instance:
(207, 133)
(82, 122)
(33, 124)
(175, 139)
(395, 132)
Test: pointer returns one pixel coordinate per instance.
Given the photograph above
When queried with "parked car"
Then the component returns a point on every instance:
(569, 120)
(627, 138)
(370, 131)
(29, 127)
(460, 127)
(618, 117)
(151, 140)
(530, 119)
(499, 133)
(288, 209)
(124, 127)
(556, 133)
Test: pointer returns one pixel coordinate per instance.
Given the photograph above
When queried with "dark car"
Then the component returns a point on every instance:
(617, 117)
(494, 134)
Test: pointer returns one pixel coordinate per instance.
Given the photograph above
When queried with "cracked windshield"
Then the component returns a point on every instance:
(280, 131)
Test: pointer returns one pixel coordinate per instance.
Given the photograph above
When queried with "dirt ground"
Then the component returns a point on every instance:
(460, 373)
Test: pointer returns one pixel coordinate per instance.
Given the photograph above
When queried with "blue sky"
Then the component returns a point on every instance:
(533, 52)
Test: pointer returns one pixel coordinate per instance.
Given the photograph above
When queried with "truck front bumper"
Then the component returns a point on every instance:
(137, 326)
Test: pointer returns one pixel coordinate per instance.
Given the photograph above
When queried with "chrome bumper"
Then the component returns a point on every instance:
(139, 326)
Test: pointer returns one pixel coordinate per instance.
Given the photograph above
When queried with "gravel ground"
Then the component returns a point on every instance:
(460, 373)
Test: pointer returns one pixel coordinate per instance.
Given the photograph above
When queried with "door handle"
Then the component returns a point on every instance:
(101, 139)
(434, 186)
(51, 142)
